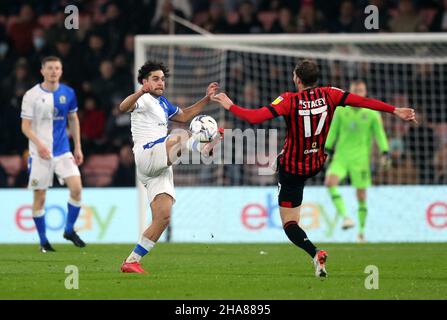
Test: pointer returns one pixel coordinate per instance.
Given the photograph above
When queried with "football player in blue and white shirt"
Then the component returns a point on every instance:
(46, 107)
(155, 151)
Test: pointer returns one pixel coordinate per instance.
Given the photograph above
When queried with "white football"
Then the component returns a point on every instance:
(203, 128)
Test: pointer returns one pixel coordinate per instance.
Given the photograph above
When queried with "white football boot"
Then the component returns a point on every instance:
(347, 223)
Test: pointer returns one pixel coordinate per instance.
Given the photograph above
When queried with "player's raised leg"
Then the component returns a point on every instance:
(179, 142)
(74, 184)
(362, 213)
(182, 141)
(161, 214)
(39, 219)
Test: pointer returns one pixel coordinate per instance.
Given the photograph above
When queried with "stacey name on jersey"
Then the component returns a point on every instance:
(307, 114)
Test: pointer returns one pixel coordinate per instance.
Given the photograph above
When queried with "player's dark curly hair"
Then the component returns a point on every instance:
(308, 72)
(150, 66)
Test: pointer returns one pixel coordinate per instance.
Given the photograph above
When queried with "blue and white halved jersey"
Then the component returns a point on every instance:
(149, 119)
(48, 112)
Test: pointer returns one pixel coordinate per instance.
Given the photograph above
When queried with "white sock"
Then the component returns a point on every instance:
(141, 249)
(38, 213)
(74, 202)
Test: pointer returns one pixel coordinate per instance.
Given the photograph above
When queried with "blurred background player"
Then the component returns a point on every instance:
(308, 114)
(351, 134)
(46, 107)
(155, 151)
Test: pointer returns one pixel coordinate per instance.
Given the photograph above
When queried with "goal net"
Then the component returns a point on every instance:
(404, 70)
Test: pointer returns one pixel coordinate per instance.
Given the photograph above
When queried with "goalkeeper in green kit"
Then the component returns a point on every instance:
(349, 146)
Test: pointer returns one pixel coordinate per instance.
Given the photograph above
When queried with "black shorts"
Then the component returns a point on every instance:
(291, 188)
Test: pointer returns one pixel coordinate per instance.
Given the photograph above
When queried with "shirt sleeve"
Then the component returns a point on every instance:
(27, 107)
(172, 109)
(73, 102)
(342, 98)
(252, 116)
(338, 96)
(280, 106)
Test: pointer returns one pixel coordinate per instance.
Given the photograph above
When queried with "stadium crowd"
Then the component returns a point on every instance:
(98, 61)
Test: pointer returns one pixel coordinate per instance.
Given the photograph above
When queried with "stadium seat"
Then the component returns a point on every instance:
(267, 18)
(98, 169)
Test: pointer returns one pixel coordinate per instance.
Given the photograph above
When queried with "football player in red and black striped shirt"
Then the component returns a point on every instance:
(308, 114)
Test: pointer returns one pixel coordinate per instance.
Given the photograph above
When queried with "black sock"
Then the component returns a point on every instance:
(299, 237)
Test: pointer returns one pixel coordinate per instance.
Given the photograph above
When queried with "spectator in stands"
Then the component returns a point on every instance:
(117, 126)
(3, 177)
(345, 22)
(248, 22)
(21, 31)
(269, 5)
(216, 22)
(68, 53)
(114, 28)
(40, 50)
(12, 90)
(310, 20)
(420, 143)
(402, 170)
(439, 22)
(7, 55)
(92, 56)
(285, 22)
(406, 19)
(21, 180)
(57, 30)
(92, 121)
(124, 60)
(440, 164)
(125, 173)
(106, 86)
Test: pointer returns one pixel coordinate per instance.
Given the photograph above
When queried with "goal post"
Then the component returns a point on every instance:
(401, 69)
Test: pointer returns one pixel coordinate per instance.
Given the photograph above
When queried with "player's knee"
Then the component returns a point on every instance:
(361, 195)
(39, 199)
(75, 193)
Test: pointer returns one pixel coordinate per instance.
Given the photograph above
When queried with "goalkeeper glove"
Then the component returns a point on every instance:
(385, 161)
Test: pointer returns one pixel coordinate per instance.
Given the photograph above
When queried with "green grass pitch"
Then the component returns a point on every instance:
(225, 271)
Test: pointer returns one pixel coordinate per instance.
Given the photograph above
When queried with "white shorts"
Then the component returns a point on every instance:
(41, 171)
(152, 169)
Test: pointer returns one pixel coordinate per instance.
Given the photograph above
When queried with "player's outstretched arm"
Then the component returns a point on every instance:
(186, 114)
(128, 104)
(406, 114)
(251, 115)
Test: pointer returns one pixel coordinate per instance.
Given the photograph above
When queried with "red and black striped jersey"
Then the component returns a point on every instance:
(308, 114)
